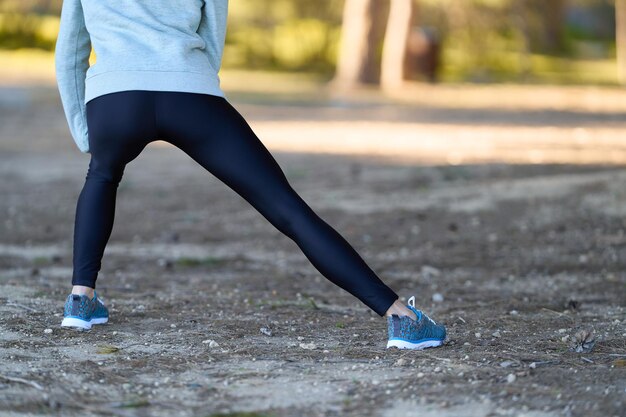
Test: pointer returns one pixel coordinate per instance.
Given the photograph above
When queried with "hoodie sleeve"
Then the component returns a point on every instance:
(212, 30)
(72, 50)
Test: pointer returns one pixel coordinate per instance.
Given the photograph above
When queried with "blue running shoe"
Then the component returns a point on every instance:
(406, 333)
(81, 312)
(101, 312)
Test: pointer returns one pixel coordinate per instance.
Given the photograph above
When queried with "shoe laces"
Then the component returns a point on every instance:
(429, 319)
(411, 303)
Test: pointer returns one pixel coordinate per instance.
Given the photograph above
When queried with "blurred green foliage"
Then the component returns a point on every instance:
(568, 41)
(288, 35)
(524, 40)
(27, 30)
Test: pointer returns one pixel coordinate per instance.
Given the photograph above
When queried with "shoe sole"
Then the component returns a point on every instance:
(403, 344)
(82, 324)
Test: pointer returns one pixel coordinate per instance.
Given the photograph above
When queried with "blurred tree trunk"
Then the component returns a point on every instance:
(520, 21)
(620, 31)
(554, 24)
(401, 13)
(361, 34)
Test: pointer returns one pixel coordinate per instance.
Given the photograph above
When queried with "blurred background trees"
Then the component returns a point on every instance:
(620, 17)
(381, 41)
(363, 28)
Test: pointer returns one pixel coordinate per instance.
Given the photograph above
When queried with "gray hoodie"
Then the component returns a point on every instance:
(167, 45)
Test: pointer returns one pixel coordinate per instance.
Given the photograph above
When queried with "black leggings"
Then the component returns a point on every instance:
(212, 132)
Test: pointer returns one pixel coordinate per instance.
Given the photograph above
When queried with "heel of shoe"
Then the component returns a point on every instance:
(405, 344)
(99, 320)
(76, 323)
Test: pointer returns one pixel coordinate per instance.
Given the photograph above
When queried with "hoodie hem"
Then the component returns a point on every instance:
(182, 81)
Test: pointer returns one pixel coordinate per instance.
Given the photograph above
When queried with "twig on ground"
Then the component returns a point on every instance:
(11, 303)
(22, 381)
(558, 313)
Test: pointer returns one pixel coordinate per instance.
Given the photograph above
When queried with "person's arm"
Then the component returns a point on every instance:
(212, 30)
(71, 54)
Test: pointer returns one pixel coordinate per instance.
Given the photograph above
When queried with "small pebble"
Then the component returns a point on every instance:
(510, 378)
(477, 335)
(437, 297)
(429, 271)
(308, 345)
(496, 333)
(48, 331)
(173, 326)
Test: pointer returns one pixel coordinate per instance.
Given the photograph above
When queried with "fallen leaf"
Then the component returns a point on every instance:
(106, 349)
(620, 363)
(585, 341)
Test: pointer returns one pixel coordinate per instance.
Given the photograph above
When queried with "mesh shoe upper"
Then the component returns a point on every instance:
(100, 310)
(405, 328)
(79, 306)
(84, 308)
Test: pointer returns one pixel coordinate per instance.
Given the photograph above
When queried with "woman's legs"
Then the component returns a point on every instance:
(120, 126)
(215, 135)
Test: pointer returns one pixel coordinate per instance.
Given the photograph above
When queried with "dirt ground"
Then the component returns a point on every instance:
(216, 313)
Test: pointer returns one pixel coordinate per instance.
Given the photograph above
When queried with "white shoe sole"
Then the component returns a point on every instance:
(403, 344)
(82, 324)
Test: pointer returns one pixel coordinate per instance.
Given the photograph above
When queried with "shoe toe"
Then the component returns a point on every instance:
(442, 332)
